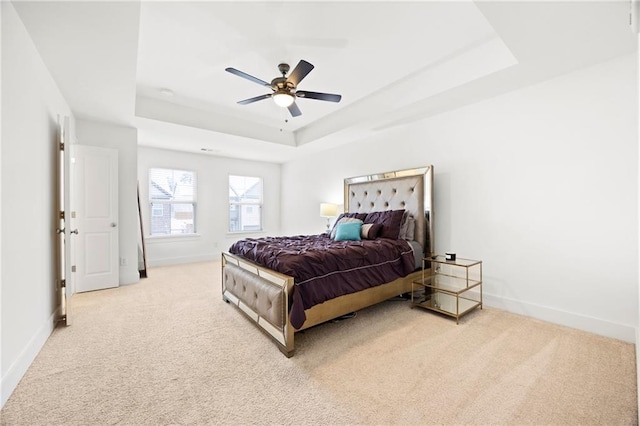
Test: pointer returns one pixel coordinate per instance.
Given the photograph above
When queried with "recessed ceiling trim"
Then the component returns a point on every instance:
(469, 63)
(187, 116)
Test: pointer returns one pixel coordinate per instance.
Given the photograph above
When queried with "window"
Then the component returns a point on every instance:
(172, 195)
(245, 204)
(157, 210)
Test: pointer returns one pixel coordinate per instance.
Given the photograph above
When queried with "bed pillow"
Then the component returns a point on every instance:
(360, 216)
(407, 227)
(349, 231)
(346, 219)
(370, 231)
(390, 221)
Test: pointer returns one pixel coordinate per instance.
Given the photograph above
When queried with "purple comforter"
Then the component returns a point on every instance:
(324, 269)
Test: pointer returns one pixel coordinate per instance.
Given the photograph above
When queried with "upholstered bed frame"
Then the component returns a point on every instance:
(264, 295)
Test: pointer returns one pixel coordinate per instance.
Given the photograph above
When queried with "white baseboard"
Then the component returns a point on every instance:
(594, 325)
(18, 369)
(184, 259)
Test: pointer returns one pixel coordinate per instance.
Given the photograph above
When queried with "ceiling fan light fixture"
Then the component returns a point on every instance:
(284, 90)
(283, 98)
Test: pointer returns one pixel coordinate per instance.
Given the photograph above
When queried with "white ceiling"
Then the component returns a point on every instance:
(392, 62)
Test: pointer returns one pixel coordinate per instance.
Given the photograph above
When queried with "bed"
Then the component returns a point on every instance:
(281, 294)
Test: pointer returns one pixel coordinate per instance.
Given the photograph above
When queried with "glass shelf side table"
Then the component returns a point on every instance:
(451, 287)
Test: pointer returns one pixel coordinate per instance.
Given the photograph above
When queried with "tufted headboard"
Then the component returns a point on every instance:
(410, 189)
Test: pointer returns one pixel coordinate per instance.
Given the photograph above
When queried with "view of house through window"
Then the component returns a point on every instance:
(172, 195)
(245, 204)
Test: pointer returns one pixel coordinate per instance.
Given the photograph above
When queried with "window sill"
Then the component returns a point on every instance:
(241, 233)
(154, 239)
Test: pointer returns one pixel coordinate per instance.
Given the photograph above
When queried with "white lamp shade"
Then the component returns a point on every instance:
(328, 210)
(282, 99)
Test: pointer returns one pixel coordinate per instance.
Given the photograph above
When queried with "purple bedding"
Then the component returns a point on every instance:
(324, 269)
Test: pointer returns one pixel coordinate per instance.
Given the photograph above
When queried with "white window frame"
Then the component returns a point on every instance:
(240, 204)
(171, 201)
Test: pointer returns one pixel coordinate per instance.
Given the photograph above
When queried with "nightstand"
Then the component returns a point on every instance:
(451, 287)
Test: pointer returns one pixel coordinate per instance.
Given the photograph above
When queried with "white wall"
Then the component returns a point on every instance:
(31, 102)
(212, 204)
(125, 141)
(540, 183)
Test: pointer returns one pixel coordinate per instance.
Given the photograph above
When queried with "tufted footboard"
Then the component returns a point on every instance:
(262, 295)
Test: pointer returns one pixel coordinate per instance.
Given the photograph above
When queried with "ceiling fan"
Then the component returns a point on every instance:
(285, 88)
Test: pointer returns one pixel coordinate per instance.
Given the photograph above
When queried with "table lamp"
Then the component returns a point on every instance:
(328, 210)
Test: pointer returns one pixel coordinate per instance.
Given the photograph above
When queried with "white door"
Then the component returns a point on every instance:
(95, 210)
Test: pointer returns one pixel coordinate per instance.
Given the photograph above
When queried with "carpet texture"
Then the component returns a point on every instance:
(169, 351)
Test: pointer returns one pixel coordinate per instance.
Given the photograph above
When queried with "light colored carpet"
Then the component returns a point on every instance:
(169, 351)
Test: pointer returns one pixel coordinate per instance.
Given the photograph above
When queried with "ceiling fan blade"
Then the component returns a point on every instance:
(319, 96)
(294, 110)
(247, 76)
(299, 72)
(257, 98)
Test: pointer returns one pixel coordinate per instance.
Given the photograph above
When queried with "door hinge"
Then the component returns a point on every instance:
(61, 146)
(62, 214)
(62, 284)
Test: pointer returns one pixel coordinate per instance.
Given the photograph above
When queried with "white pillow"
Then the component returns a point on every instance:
(407, 227)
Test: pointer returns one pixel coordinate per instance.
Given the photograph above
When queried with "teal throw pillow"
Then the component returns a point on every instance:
(348, 231)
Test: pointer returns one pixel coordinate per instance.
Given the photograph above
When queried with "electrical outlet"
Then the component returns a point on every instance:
(123, 261)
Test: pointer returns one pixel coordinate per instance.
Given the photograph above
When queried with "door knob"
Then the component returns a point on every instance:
(113, 224)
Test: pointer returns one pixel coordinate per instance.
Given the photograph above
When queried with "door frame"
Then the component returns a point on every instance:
(64, 286)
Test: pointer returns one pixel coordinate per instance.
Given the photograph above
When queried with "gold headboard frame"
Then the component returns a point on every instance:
(410, 189)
